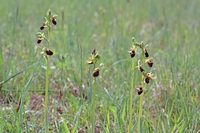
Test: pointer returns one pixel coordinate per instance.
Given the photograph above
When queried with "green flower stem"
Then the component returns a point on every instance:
(46, 96)
(140, 112)
(131, 98)
(47, 86)
(48, 33)
(93, 106)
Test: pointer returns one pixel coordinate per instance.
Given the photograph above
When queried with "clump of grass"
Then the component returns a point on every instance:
(146, 77)
(50, 20)
(93, 61)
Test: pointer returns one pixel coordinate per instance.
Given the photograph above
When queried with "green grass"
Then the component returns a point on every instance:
(170, 28)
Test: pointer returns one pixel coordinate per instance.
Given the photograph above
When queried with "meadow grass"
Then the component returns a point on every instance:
(170, 28)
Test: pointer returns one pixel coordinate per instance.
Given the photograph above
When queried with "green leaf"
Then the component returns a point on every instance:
(66, 128)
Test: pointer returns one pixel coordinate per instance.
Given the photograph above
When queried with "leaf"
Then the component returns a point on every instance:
(66, 128)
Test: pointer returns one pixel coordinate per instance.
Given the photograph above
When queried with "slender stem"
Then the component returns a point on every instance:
(48, 33)
(93, 105)
(140, 112)
(47, 86)
(131, 98)
(46, 96)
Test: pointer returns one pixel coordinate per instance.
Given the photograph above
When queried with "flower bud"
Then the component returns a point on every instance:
(62, 57)
(133, 39)
(97, 57)
(94, 52)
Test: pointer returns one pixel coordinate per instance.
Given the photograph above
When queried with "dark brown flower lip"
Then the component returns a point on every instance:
(54, 21)
(147, 80)
(146, 54)
(140, 90)
(150, 64)
(132, 53)
(49, 52)
(141, 69)
(149, 61)
(39, 41)
(42, 27)
(95, 74)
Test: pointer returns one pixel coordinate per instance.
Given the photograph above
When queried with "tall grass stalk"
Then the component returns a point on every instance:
(131, 97)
